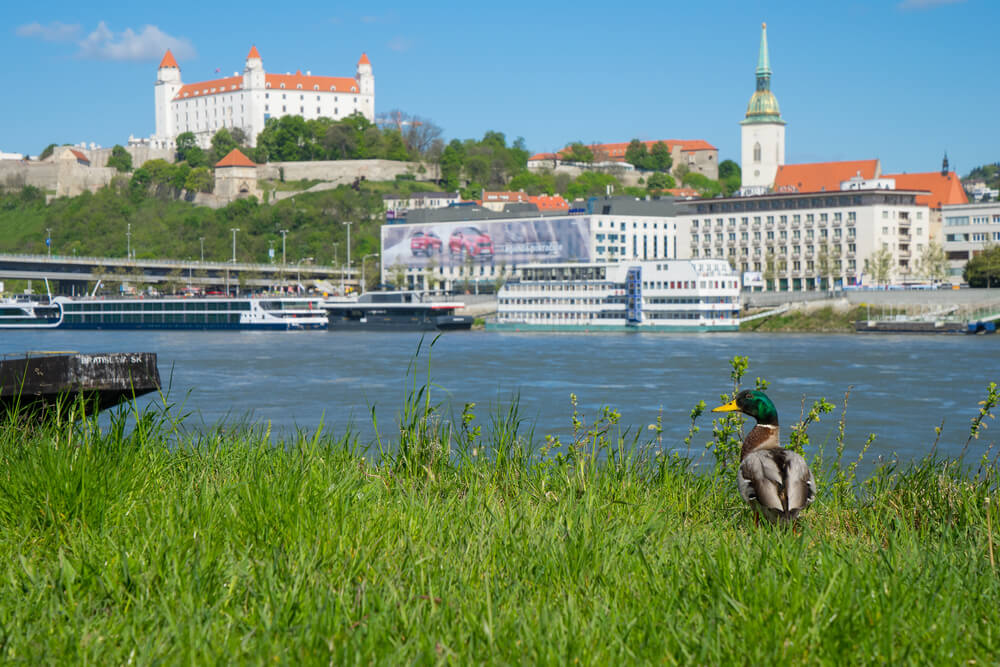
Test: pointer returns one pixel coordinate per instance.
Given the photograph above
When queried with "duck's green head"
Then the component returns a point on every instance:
(754, 403)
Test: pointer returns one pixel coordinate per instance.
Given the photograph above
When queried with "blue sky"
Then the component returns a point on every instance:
(900, 80)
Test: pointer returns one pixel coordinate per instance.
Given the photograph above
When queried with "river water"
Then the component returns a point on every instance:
(903, 386)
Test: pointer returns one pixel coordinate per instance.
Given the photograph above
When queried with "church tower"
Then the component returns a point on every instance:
(168, 83)
(762, 130)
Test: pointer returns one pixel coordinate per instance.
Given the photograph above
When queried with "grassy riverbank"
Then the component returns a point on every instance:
(821, 320)
(163, 545)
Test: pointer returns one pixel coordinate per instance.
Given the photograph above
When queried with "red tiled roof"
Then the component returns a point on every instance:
(212, 87)
(364, 60)
(944, 188)
(338, 84)
(549, 202)
(79, 156)
(822, 176)
(235, 158)
(254, 53)
(683, 192)
(543, 156)
(168, 60)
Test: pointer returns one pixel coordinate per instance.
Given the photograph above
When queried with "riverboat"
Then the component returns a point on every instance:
(246, 313)
(651, 295)
(395, 311)
(29, 313)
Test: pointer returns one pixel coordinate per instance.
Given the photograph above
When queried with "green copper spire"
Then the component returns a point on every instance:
(763, 62)
(763, 107)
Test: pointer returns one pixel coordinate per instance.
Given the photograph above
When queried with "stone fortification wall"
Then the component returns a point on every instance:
(16, 174)
(344, 172)
(625, 177)
(140, 155)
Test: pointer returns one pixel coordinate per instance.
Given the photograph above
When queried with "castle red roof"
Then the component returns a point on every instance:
(944, 188)
(212, 87)
(822, 176)
(254, 53)
(168, 60)
(82, 158)
(364, 60)
(235, 158)
(300, 81)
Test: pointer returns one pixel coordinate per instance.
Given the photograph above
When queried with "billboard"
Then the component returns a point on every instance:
(495, 242)
(753, 279)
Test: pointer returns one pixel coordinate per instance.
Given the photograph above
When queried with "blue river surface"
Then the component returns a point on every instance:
(902, 386)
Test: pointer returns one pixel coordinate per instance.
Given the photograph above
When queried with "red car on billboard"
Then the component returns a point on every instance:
(425, 243)
(470, 241)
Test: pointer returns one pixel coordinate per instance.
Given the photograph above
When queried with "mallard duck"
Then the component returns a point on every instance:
(775, 481)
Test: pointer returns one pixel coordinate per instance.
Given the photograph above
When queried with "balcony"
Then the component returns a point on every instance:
(850, 223)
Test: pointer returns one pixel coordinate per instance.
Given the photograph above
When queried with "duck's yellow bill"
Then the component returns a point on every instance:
(728, 407)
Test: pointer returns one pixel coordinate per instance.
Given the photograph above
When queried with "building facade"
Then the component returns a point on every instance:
(246, 101)
(468, 246)
(695, 155)
(806, 241)
(967, 230)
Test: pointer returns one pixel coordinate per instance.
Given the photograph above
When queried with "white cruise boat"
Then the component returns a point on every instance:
(29, 313)
(653, 295)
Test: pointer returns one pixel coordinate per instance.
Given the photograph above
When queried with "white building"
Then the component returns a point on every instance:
(665, 295)
(762, 131)
(967, 230)
(806, 241)
(470, 245)
(248, 100)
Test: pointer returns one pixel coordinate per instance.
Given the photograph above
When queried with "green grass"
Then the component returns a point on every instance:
(473, 542)
(822, 320)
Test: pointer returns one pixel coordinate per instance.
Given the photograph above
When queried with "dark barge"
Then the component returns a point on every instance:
(43, 383)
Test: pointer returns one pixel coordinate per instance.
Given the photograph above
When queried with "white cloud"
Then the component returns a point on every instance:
(400, 44)
(149, 43)
(53, 32)
(926, 4)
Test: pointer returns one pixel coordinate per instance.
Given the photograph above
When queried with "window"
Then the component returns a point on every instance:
(756, 152)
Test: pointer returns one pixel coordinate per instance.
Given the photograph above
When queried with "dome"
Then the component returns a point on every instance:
(763, 106)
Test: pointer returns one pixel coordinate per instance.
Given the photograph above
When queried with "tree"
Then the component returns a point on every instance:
(578, 152)
(222, 143)
(591, 184)
(660, 181)
(452, 160)
(705, 186)
(983, 270)
(933, 263)
(879, 265)
(47, 151)
(120, 159)
(185, 142)
(636, 154)
(730, 177)
(659, 157)
(200, 179)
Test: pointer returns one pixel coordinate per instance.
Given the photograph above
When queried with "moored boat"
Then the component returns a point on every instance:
(395, 311)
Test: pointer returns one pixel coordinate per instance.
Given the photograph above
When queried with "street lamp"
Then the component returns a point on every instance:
(234, 230)
(374, 254)
(48, 239)
(202, 239)
(348, 252)
(284, 232)
(128, 240)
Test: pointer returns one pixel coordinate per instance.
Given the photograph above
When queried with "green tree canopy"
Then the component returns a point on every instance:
(591, 184)
(578, 152)
(120, 159)
(983, 270)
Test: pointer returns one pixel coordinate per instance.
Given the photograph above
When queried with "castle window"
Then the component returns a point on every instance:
(282, 86)
(267, 85)
(756, 152)
(354, 89)
(315, 87)
(299, 86)
(333, 89)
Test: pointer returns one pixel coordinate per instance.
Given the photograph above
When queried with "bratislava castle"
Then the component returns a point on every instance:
(246, 101)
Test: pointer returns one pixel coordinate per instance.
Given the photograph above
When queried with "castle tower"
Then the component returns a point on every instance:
(366, 87)
(762, 131)
(168, 83)
(254, 84)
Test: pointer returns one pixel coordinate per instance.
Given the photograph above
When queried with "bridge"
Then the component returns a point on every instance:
(71, 274)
